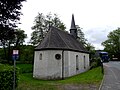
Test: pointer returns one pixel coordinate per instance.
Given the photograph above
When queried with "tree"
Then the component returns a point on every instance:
(91, 49)
(81, 38)
(9, 17)
(15, 40)
(42, 24)
(19, 37)
(112, 44)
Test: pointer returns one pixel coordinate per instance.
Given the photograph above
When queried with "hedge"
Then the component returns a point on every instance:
(6, 77)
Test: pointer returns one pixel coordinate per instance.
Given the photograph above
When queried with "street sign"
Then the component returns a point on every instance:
(15, 56)
(15, 52)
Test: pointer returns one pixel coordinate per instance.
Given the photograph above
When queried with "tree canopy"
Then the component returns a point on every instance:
(19, 38)
(9, 17)
(112, 44)
(41, 26)
(81, 37)
(10, 12)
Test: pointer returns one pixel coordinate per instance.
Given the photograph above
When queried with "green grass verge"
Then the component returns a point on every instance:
(93, 76)
(27, 82)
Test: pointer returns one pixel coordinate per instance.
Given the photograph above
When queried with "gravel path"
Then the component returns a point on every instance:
(78, 87)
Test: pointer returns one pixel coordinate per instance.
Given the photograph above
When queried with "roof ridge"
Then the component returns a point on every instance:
(62, 38)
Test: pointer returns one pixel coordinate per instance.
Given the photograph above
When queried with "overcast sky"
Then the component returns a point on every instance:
(96, 17)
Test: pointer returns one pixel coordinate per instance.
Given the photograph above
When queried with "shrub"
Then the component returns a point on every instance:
(96, 62)
(6, 77)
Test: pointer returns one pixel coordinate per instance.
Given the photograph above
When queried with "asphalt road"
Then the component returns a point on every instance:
(111, 80)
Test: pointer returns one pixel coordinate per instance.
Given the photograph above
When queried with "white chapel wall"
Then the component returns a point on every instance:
(72, 62)
(48, 67)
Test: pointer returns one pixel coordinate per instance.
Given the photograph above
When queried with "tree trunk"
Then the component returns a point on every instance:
(5, 54)
(9, 54)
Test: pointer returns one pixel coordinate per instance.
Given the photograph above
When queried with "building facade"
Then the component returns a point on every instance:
(60, 55)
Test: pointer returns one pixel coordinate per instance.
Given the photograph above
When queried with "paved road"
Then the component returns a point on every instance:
(111, 79)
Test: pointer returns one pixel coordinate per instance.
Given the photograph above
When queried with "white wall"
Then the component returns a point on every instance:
(51, 68)
(48, 67)
(70, 67)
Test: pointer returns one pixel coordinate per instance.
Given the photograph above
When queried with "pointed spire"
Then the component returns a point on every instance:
(73, 29)
(73, 23)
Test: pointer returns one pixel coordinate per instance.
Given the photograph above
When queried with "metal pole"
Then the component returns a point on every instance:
(14, 75)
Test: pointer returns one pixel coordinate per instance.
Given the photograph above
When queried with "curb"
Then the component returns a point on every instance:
(102, 82)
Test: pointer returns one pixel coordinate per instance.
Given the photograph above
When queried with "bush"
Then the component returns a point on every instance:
(95, 62)
(6, 77)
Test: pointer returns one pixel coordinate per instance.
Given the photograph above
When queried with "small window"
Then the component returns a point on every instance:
(40, 57)
(84, 63)
(58, 56)
(77, 63)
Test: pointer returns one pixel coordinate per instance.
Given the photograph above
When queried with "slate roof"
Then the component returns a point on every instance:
(60, 40)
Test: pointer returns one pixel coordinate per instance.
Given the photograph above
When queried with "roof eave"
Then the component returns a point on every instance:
(63, 49)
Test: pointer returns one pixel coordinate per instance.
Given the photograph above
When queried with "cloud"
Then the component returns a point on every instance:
(98, 35)
(96, 17)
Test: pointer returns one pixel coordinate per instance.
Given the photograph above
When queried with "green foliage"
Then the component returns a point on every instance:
(19, 37)
(42, 24)
(95, 62)
(26, 53)
(2, 56)
(6, 77)
(81, 38)
(27, 81)
(25, 68)
(10, 12)
(112, 44)
(9, 17)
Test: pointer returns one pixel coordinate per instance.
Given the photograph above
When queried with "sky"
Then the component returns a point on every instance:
(96, 17)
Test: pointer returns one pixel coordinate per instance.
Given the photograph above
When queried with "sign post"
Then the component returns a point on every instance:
(14, 56)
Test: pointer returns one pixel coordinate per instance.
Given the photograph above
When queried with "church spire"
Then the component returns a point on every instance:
(73, 22)
(73, 29)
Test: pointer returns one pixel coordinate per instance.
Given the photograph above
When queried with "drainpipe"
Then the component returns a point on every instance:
(62, 64)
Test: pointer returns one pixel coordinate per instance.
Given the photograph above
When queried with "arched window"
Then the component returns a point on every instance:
(77, 63)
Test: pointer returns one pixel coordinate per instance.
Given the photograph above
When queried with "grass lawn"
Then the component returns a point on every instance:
(91, 78)
(25, 68)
